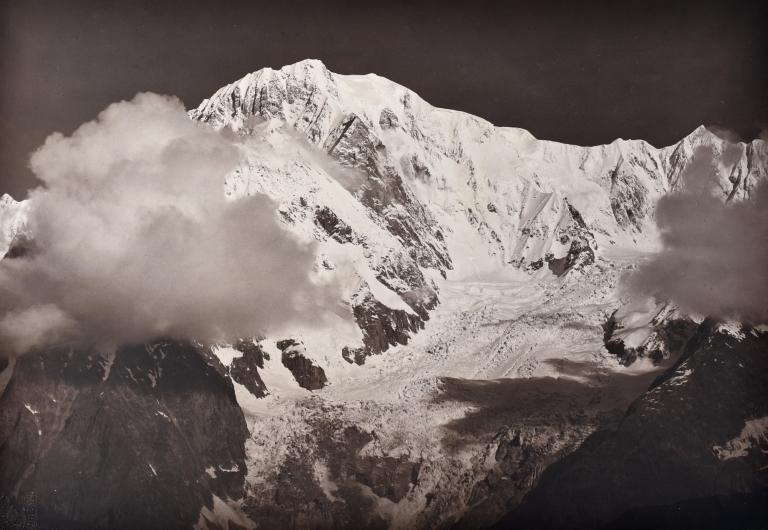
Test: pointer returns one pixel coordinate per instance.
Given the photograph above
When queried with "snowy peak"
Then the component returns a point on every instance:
(13, 218)
(305, 95)
(737, 165)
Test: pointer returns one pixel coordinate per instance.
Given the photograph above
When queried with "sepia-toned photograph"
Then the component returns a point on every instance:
(357, 265)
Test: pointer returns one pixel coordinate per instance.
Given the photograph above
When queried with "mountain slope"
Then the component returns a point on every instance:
(698, 433)
(143, 438)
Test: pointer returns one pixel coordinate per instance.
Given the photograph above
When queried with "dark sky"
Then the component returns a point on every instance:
(573, 72)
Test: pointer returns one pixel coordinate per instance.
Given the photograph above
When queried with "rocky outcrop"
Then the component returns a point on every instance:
(245, 369)
(529, 423)
(406, 279)
(333, 226)
(382, 327)
(143, 438)
(666, 334)
(307, 374)
(329, 483)
(579, 256)
(520, 457)
(388, 119)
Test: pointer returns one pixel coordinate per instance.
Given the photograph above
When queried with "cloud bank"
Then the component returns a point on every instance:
(134, 240)
(714, 259)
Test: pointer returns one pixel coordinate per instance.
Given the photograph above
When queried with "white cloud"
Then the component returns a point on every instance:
(135, 240)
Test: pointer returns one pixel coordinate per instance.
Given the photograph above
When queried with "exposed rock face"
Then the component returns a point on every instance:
(696, 436)
(141, 439)
(329, 483)
(388, 119)
(245, 369)
(12, 221)
(582, 246)
(534, 421)
(521, 455)
(579, 255)
(307, 374)
(667, 334)
(333, 226)
(382, 327)
(628, 193)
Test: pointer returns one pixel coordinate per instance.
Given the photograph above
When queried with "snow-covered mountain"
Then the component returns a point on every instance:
(481, 265)
(438, 192)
